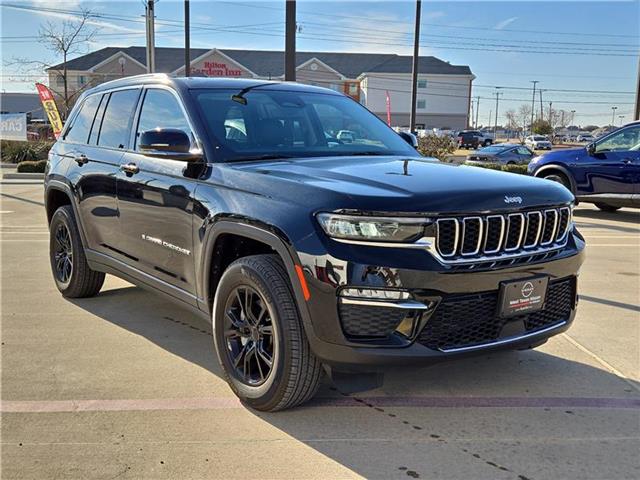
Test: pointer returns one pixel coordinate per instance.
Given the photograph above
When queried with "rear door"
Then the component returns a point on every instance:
(155, 197)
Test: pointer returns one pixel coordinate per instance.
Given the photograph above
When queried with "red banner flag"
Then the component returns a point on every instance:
(49, 105)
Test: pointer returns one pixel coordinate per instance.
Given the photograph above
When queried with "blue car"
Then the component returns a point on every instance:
(606, 172)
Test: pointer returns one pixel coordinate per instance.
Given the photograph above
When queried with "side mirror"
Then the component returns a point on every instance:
(591, 149)
(410, 138)
(168, 143)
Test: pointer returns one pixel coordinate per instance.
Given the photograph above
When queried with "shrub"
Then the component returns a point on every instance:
(32, 167)
(521, 169)
(434, 146)
(15, 152)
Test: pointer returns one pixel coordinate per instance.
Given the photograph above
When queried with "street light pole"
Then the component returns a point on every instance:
(477, 111)
(495, 127)
(414, 72)
(613, 116)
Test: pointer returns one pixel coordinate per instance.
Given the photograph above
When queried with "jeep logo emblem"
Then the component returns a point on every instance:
(527, 289)
(508, 199)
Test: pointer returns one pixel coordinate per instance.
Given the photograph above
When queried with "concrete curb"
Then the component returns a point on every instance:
(23, 176)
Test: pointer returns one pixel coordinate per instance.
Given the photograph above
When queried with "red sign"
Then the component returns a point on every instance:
(215, 69)
(49, 106)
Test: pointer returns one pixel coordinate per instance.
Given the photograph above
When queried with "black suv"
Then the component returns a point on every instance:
(309, 254)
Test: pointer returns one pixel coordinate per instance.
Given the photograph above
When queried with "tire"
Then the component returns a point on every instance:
(607, 208)
(69, 266)
(486, 143)
(560, 178)
(294, 375)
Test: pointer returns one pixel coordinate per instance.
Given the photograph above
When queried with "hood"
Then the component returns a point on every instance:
(398, 184)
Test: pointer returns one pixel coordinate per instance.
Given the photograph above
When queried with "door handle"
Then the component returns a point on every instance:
(81, 159)
(130, 168)
(627, 161)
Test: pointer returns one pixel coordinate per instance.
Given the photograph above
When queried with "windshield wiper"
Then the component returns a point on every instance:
(267, 156)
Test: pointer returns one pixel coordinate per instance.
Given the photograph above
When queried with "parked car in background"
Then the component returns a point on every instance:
(346, 136)
(606, 172)
(502, 153)
(483, 139)
(538, 142)
(585, 137)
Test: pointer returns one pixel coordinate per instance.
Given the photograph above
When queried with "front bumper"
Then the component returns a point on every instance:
(427, 281)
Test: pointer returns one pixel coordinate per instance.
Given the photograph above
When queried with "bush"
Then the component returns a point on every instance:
(32, 167)
(13, 151)
(434, 146)
(521, 169)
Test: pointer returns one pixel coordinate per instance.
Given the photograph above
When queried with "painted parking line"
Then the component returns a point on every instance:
(217, 403)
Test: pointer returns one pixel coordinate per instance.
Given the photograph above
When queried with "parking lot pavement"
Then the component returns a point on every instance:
(125, 385)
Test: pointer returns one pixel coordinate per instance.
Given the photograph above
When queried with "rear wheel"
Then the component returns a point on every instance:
(259, 337)
(607, 208)
(71, 272)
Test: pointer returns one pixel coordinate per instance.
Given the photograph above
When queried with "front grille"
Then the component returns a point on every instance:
(467, 320)
(493, 236)
(369, 321)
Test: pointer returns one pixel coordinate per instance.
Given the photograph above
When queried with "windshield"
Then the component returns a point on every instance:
(271, 123)
(539, 139)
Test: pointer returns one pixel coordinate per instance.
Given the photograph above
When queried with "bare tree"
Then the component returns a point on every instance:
(64, 39)
(522, 118)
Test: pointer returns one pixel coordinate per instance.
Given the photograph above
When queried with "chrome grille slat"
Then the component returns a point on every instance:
(495, 237)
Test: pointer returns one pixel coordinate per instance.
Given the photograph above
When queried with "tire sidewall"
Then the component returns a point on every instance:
(236, 275)
(62, 216)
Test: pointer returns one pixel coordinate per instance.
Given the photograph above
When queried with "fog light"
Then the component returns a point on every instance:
(375, 294)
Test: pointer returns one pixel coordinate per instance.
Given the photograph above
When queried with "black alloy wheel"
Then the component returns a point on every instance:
(63, 254)
(249, 335)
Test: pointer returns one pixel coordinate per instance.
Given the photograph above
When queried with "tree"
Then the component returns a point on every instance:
(435, 146)
(542, 127)
(63, 39)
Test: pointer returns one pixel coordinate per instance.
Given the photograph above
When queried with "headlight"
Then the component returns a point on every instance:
(373, 229)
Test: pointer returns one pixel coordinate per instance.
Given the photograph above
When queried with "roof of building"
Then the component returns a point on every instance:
(270, 62)
(14, 102)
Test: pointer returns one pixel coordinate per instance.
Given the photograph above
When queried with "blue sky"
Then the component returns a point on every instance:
(600, 40)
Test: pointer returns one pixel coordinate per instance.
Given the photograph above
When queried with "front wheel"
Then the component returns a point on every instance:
(559, 178)
(259, 336)
(607, 208)
(71, 272)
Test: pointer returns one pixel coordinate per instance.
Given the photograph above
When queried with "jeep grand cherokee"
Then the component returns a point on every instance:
(309, 254)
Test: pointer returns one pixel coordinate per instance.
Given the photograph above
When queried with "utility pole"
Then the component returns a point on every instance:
(151, 36)
(550, 113)
(414, 71)
(533, 103)
(636, 116)
(187, 41)
(495, 127)
(613, 116)
(477, 110)
(541, 111)
(573, 116)
(490, 117)
(290, 42)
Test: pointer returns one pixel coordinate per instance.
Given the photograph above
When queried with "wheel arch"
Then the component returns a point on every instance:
(269, 237)
(556, 167)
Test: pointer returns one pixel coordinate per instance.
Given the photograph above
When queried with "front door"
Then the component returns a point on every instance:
(155, 199)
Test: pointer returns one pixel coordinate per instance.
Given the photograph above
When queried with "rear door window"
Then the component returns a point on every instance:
(78, 132)
(116, 123)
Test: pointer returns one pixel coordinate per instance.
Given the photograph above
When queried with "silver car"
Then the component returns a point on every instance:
(538, 142)
(503, 153)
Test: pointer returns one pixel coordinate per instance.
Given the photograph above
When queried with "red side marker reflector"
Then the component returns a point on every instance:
(303, 282)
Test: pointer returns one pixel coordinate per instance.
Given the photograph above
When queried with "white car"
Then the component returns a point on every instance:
(586, 137)
(538, 142)
(346, 136)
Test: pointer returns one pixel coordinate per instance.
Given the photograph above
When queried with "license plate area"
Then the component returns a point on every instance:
(522, 296)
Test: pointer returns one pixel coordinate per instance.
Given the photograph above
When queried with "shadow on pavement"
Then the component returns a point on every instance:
(395, 434)
(626, 215)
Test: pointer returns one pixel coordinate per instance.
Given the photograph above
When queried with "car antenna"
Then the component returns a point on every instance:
(239, 97)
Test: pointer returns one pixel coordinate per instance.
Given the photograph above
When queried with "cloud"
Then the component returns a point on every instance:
(505, 23)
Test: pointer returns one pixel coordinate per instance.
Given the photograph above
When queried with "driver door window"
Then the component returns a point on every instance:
(161, 110)
(625, 140)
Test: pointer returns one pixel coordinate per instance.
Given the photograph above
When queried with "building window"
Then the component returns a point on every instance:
(422, 84)
(82, 79)
(422, 104)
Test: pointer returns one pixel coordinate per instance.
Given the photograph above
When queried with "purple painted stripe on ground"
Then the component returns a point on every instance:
(45, 406)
